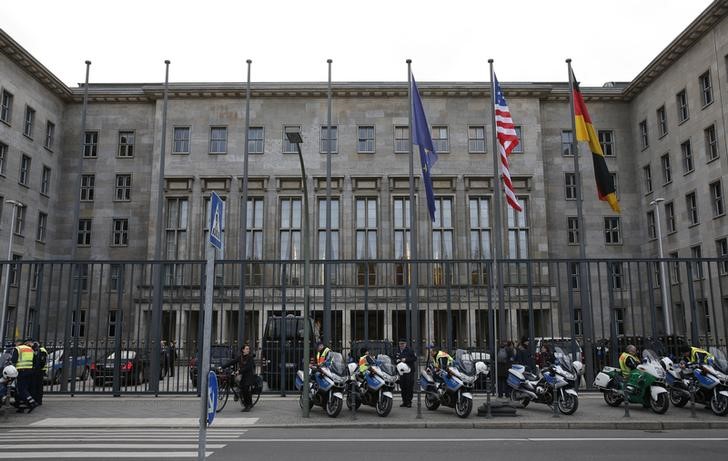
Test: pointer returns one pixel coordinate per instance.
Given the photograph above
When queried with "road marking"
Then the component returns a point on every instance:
(509, 439)
(116, 446)
(102, 454)
(139, 422)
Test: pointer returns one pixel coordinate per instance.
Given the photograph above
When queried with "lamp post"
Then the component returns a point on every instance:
(295, 138)
(15, 205)
(663, 270)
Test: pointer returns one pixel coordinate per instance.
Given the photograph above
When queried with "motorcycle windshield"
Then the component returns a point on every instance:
(337, 364)
(721, 363)
(385, 364)
(564, 360)
(648, 355)
(464, 362)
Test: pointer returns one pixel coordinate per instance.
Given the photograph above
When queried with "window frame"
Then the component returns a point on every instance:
(397, 140)
(706, 91)
(366, 140)
(686, 152)
(88, 186)
(126, 149)
(519, 149)
(567, 142)
(29, 122)
(573, 234)
(83, 235)
(608, 145)
(670, 222)
(50, 135)
(683, 107)
(45, 181)
(569, 187)
(662, 129)
(120, 232)
(610, 231)
(323, 141)
(716, 200)
(254, 141)
(181, 141)
(711, 147)
(125, 189)
(666, 168)
(472, 138)
(4, 150)
(92, 146)
(644, 135)
(216, 141)
(436, 141)
(647, 179)
(25, 164)
(42, 228)
(6, 108)
(691, 205)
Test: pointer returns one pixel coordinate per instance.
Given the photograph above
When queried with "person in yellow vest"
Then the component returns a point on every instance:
(22, 358)
(628, 361)
(366, 360)
(322, 353)
(40, 367)
(696, 355)
(441, 360)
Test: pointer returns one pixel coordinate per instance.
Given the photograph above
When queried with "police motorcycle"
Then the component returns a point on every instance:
(7, 384)
(452, 387)
(645, 385)
(557, 380)
(327, 383)
(375, 388)
(708, 383)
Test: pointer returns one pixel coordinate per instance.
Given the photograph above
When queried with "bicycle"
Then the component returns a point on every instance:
(227, 385)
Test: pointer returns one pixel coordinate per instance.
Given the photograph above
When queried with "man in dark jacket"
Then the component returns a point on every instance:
(246, 375)
(407, 380)
(524, 356)
(506, 356)
(40, 366)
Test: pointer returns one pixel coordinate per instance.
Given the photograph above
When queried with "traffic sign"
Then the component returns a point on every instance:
(217, 207)
(211, 396)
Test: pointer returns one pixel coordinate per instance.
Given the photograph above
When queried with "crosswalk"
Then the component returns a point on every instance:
(111, 443)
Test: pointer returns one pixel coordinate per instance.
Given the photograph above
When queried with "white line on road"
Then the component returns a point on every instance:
(101, 446)
(102, 454)
(33, 440)
(139, 422)
(510, 439)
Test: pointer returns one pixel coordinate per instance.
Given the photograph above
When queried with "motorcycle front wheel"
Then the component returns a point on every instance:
(613, 399)
(333, 407)
(431, 402)
(523, 402)
(678, 399)
(384, 406)
(463, 407)
(719, 405)
(568, 403)
(661, 404)
(300, 402)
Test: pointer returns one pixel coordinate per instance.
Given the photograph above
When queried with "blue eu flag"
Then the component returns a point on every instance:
(422, 138)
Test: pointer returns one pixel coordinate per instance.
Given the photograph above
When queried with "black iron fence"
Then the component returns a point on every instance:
(97, 318)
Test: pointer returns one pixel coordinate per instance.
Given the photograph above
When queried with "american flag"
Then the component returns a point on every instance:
(507, 141)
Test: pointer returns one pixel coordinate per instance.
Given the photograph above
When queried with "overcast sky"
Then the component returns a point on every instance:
(290, 40)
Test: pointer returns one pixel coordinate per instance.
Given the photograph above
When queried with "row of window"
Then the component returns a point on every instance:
(683, 110)
(24, 173)
(691, 207)
(29, 119)
(20, 220)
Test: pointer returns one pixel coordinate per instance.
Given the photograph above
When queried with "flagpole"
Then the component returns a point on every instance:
(583, 285)
(327, 256)
(244, 217)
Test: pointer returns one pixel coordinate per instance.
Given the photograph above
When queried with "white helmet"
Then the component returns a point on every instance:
(402, 368)
(10, 372)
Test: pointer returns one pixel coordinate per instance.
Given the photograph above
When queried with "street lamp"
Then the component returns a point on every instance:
(15, 205)
(295, 138)
(663, 270)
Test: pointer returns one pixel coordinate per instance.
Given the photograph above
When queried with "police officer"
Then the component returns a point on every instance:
(441, 360)
(22, 358)
(628, 361)
(695, 355)
(322, 353)
(40, 367)
(365, 361)
(406, 381)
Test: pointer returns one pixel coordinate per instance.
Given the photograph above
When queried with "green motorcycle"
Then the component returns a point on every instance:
(645, 385)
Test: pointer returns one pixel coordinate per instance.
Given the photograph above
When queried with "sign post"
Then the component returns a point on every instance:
(208, 392)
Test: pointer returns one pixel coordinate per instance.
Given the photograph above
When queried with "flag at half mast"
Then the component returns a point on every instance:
(585, 132)
(422, 138)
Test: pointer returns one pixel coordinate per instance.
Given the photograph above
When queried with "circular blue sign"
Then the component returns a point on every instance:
(211, 396)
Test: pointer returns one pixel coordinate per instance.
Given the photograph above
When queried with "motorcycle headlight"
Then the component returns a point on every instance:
(467, 379)
(568, 376)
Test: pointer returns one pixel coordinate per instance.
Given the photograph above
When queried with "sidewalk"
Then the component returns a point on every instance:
(278, 412)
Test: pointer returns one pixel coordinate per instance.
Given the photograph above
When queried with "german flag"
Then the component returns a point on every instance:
(585, 132)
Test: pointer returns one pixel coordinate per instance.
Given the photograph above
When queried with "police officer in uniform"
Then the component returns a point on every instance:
(22, 358)
(628, 361)
(40, 367)
(406, 381)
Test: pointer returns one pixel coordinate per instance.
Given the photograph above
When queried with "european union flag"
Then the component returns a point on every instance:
(422, 138)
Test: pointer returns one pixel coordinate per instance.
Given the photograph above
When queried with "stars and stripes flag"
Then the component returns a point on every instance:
(507, 141)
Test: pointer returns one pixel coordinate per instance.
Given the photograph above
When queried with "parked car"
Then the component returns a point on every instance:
(219, 354)
(291, 351)
(133, 370)
(81, 362)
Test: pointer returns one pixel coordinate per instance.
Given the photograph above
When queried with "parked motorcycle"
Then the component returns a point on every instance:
(453, 387)
(557, 380)
(7, 385)
(645, 385)
(375, 387)
(326, 384)
(708, 383)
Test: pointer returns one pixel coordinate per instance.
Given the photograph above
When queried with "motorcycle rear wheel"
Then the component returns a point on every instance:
(678, 399)
(719, 405)
(431, 402)
(384, 406)
(661, 404)
(612, 399)
(568, 404)
(463, 407)
(522, 402)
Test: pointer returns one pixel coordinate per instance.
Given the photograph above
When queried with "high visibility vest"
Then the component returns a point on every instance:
(25, 357)
(698, 355)
(623, 363)
(440, 355)
(322, 356)
(363, 364)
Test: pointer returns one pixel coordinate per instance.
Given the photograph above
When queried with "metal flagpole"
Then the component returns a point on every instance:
(157, 309)
(497, 223)
(6, 268)
(414, 312)
(244, 218)
(327, 256)
(583, 281)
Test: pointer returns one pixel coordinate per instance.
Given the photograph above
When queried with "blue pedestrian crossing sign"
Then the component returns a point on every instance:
(212, 391)
(216, 216)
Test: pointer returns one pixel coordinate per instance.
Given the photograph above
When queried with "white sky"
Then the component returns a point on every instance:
(290, 40)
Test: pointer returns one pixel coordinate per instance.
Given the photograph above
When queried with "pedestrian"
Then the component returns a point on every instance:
(40, 367)
(163, 363)
(23, 360)
(547, 358)
(524, 356)
(407, 380)
(246, 375)
(506, 357)
(171, 357)
(317, 330)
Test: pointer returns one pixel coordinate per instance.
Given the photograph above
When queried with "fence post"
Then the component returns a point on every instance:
(282, 336)
(693, 315)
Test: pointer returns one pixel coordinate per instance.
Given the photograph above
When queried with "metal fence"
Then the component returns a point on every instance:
(97, 318)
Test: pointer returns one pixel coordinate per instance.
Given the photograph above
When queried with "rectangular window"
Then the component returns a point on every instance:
(14, 269)
(615, 182)
(24, 178)
(3, 158)
(662, 121)
(570, 186)
(401, 139)
(619, 316)
(366, 228)
(651, 229)
(615, 274)
(90, 144)
(176, 245)
(111, 322)
(88, 182)
(711, 143)
(256, 140)
(29, 122)
(670, 217)
(290, 228)
(716, 199)
(687, 157)
(480, 228)
(721, 248)
(674, 269)
(518, 231)
(181, 143)
(78, 318)
(116, 277)
(289, 147)
(644, 138)
(365, 142)
(441, 138)
(572, 230)
(218, 140)
(612, 232)
(606, 139)
(683, 112)
(126, 144)
(20, 221)
(697, 253)
(691, 202)
(37, 275)
(45, 181)
(120, 235)
(334, 234)
(42, 227)
(706, 88)
(442, 237)
(254, 236)
(666, 170)
(50, 135)
(574, 277)
(519, 148)
(333, 141)
(476, 139)
(6, 107)
(647, 178)
(122, 192)
(83, 237)
(566, 140)
(578, 322)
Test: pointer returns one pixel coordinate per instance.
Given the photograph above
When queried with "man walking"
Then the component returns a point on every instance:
(406, 381)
